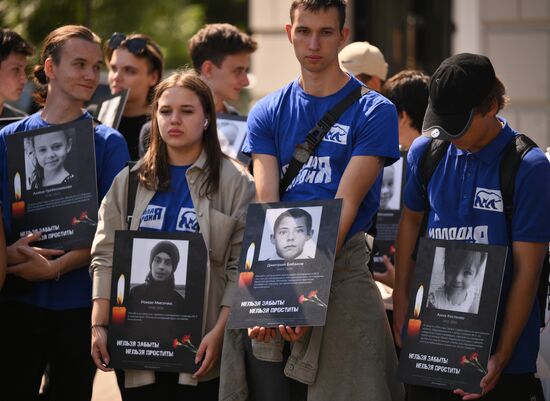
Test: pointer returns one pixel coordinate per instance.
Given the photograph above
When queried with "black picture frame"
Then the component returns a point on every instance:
(64, 211)
(286, 282)
(447, 345)
(387, 218)
(152, 326)
(109, 109)
(4, 121)
(232, 130)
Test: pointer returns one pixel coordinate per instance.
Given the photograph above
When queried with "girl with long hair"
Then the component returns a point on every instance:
(184, 172)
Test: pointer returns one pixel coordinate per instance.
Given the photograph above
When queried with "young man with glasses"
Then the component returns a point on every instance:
(135, 62)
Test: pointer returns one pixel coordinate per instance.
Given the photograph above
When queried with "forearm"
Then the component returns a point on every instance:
(222, 319)
(407, 234)
(354, 186)
(528, 259)
(100, 311)
(347, 217)
(73, 260)
(266, 178)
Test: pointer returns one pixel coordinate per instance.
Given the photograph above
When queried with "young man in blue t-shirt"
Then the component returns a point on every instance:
(355, 357)
(48, 321)
(466, 205)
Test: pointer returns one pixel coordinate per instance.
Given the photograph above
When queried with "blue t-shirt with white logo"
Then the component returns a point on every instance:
(171, 210)
(368, 127)
(466, 205)
(73, 289)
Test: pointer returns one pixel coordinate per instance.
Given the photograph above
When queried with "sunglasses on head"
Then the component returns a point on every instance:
(134, 45)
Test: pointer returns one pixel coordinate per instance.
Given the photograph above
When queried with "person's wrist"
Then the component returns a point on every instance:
(99, 326)
(56, 269)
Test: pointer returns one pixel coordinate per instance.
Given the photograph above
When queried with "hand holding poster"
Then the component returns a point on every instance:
(44, 167)
(157, 296)
(286, 264)
(453, 305)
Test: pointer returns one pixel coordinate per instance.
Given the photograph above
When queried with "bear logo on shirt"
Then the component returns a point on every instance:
(187, 220)
(338, 134)
(488, 199)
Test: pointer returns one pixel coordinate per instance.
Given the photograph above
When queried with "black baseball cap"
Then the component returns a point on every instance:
(458, 85)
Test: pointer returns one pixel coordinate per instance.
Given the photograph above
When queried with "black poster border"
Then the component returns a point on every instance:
(149, 334)
(443, 348)
(290, 292)
(65, 213)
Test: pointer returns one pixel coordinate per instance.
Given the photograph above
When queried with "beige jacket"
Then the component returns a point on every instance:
(221, 222)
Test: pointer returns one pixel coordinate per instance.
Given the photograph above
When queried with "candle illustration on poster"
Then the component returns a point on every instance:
(246, 277)
(119, 312)
(414, 325)
(18, 206)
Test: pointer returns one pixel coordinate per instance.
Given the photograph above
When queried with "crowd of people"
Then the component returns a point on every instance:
(55, 303)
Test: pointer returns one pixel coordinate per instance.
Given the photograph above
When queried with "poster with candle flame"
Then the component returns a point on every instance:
(446, 340)
(157, 299)
(46, 194)
(286, 264)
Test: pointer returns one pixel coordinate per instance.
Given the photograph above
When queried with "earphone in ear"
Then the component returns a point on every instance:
(205, 123)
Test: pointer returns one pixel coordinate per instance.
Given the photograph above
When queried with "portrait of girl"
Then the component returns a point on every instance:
(49, 153)
(463, 272)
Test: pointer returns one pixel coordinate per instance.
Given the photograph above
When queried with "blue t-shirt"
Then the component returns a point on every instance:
(171, 210)
(281, 120)
(466, 205)
(74, 289)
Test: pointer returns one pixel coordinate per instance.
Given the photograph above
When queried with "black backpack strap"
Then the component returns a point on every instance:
(514, 153)
(303, 151)
(132, 190)
(429, 161)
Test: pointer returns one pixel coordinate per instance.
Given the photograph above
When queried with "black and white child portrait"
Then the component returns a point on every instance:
(290, 234)
(390, 191)
(159, 272)
(46, 159)
(457, 279)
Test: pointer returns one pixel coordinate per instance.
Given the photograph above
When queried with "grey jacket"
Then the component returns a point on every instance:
(351, 358)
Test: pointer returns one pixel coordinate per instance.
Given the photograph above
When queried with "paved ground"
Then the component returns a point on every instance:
(105, 388)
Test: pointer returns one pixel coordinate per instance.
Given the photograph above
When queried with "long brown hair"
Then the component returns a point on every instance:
(154, 173)
(52, 47)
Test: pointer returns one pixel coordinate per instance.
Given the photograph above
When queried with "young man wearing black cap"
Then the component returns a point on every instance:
(465, 97)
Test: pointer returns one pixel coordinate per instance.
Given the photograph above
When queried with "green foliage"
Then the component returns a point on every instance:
(169, 22)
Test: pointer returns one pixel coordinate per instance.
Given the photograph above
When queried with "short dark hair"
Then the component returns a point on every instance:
(214, 42)
(295, 213)
(409, 91)
(456, 258)
(497, 94)
(317, 5)
(12, 42)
